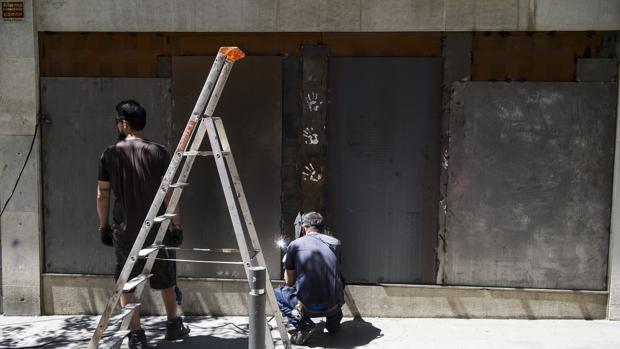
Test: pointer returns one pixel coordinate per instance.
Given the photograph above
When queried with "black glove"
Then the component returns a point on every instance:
(176, 235)
(106, 235)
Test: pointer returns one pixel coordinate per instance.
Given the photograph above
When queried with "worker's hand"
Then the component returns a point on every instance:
(176, 235)
(105, 234)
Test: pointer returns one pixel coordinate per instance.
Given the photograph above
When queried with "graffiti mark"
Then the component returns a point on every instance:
(311, 174)
(311, 137)
(312, 100)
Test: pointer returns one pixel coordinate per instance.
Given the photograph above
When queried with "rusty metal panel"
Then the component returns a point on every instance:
(534, 56)
(312, 149)
(78, 123)
(383, 166)
(97, 54)
(251, 109)
(530, 177)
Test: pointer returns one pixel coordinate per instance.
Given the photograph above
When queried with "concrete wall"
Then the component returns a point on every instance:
(79, 294)
(20, 224)
(327, 15)
(613, 311)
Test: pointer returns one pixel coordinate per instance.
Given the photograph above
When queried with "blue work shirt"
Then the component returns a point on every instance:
(317, 269)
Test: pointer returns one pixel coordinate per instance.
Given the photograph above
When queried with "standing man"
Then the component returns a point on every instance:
(314, 285)
(133, 169)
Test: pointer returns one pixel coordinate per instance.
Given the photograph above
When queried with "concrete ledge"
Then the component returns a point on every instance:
(322, 15)
(88, 294)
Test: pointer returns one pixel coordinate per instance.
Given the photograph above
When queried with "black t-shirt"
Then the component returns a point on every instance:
(317, 269)
(134, 169)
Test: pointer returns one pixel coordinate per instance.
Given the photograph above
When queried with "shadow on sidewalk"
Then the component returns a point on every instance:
(353, 333)
(203, 341)
(70, 332)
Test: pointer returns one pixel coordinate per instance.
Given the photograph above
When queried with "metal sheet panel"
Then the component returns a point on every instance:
(383, 162)
(530, 177)
(78, 123)
(251, 109)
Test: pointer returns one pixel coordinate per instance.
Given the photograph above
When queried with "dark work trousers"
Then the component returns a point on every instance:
(287, 302)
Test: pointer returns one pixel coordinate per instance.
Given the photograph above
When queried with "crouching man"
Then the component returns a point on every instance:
(314, 286)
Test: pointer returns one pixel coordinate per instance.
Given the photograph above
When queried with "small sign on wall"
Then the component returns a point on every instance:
(13, 10)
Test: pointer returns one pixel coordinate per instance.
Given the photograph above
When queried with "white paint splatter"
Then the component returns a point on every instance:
(545, 98)
(514, 114)
(312, 101)
(311, 174)
(311, 137)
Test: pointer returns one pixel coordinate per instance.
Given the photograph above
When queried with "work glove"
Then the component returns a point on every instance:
(105, 234)
(175, 235)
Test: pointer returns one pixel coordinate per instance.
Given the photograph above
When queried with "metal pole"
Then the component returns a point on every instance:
(256, 307)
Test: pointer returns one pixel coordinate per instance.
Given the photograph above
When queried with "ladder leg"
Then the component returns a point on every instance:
(216, 88)
(159, 198)
(216, 129)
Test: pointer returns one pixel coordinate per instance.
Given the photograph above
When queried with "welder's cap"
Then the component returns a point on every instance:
(312, 219)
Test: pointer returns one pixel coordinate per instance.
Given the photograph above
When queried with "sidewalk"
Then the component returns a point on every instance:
(231, 332)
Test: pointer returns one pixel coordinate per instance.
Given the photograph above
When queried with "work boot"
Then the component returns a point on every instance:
(333, 323)
(175, 329)
(301, 336)
(137, 340)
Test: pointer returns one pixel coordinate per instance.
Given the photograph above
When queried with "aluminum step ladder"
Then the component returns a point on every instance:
(200, 121)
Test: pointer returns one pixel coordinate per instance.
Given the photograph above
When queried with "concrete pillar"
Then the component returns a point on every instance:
(456, 52)
(613, 304)
(20, 224)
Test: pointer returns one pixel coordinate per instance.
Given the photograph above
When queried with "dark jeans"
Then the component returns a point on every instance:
(287, 301)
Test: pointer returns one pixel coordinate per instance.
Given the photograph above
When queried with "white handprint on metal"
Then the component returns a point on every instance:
(311, 137)
(311, 174)
(312, 100)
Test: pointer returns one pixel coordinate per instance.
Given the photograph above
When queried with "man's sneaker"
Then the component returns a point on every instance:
(175, 329)
(301, 336)
(137, 340)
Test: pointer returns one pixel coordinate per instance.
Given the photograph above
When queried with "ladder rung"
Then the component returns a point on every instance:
(145, 252)
(194, 261)
(179, 185)
(164, 217)
(215, 250)
(113, 340)
(133, 283)
(127, 310)
(203, 153)
(198, 153)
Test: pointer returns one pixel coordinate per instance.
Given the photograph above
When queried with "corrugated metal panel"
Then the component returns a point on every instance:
(530, 177)
(251, 109)
(383, 166)
(78, 125)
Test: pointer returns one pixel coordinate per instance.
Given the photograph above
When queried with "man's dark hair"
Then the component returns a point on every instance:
(133, 113)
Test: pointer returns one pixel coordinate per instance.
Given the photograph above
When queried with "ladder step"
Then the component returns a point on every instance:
(179, 185)
(194, 261)
(126, 311)
(198, 153)
(135, 282)
(145, 252)
(203, 153)
(164, 217)
(114, 341)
